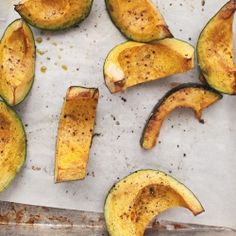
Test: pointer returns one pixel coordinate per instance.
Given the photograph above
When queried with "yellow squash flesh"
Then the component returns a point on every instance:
(17, 62)
(138, 20)
(12, 145)
(133, 63)
(215, 50)
(190, 95)
(134, 201)
(54, 14)
(75, 133)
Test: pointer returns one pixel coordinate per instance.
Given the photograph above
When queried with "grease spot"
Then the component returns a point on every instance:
(43, 69)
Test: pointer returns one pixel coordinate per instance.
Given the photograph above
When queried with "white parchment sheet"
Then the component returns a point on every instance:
(201, 156)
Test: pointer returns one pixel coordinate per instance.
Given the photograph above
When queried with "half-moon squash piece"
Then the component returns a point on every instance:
(54, 14)
(132, 63)
(12, 145)
(215, 50)
(17, 62)
(189, 95)
(139, 20)
(75, 133)
(135, 200)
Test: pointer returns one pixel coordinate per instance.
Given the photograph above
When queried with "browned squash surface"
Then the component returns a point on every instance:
(75, 132)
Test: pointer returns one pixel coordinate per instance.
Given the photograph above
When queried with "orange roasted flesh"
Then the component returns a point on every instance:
(215, 50)
(54, 14)
(75, 133)
(138, 20)
(190, 95)
(135, 200)
(12, 145)
(17, 60)
(132, 63)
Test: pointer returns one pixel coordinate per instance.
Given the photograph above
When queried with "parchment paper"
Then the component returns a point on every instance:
(201, 156)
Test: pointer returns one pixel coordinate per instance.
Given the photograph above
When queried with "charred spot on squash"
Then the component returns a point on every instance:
(215, 50)
(190, 95)
(133, 202)
(12, 145)
(138, 20)
(133, 63)
(17, 59)
(54, 14)
(75, 133)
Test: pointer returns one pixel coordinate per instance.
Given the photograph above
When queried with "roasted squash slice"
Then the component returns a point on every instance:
(17, 62)
(138, 20)
(215, 50)
(12, 145)
(75, 133)
(54, 14)
(134, 201)
(189, 95)
(132, 63)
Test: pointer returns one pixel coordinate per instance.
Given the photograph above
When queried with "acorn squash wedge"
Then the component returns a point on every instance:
(189, 95)
(132, 63)
(17, 62)
(75, 132)
(12, 145)
(135, 200)
(54, 14)
(215, 50)
(138, 20)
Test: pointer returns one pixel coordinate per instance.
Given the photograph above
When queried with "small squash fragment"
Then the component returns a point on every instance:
(215, 50)
(75, 132)
(189, 95)
(12, 145)
(138, 20)
(132, 63)
(54, 14)
(135, 200)
(17, 60)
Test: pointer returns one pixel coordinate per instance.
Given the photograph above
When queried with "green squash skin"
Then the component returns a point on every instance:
(197, 52)
(25, 143)
(32, 82)
(125, 34)
(137, 171)
(75, 23)
(174, 90)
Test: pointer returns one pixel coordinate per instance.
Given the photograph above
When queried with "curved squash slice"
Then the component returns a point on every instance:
(133, 63)
(215, 50)
(75, 133)
(12, 145)
(54, 14)
(17, 60)
(190, 95)
(138, 20)
(134, 201)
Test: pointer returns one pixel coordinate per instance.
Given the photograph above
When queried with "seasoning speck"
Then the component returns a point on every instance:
(39, 40)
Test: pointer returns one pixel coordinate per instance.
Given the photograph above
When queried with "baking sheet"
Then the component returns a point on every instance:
(201, 156)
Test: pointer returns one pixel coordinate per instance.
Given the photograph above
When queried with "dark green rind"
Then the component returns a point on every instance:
(125, 34)
(25, 142)
(142, 170)
(34, 45)
(198, 61)
(62, 27)
(174, 90)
